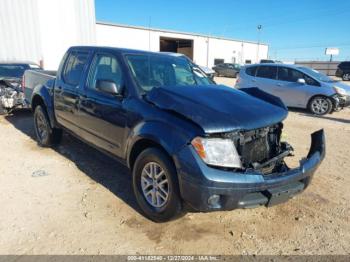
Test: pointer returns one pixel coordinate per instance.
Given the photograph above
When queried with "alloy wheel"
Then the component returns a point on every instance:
(41, 126)
(155, 185)
(319, 106)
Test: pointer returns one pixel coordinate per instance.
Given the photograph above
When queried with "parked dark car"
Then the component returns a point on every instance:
(11, 95)
(184, 139)
(264, 61)
(343, 71)
(227, 70)
(269, 61)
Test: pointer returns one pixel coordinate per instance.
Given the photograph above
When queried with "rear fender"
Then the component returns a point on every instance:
(45, 92)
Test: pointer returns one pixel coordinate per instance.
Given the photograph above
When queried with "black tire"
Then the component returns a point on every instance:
(172, 207)
(346, 77)
(236, 75)
(320, 105)
(46, 136)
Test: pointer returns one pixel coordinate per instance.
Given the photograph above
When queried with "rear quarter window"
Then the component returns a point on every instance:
(251, 70)
(74, 67)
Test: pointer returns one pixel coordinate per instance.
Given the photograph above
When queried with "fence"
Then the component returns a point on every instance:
(327, 68)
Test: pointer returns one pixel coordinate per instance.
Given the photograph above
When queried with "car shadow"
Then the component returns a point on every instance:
(304, 112)
(102, 169)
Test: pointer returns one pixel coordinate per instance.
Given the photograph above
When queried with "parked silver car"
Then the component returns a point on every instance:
(297, 86)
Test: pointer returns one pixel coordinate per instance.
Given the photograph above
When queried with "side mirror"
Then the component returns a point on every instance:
(108, 86)
(301, 81)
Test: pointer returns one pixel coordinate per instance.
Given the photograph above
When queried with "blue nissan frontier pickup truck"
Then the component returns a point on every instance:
(187, 141)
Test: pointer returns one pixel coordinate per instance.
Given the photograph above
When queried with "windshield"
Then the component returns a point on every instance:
(317, 75)
(12, 70)
(152, 71)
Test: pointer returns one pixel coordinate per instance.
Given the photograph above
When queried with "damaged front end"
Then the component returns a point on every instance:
(11, 96)
(263, 179)
(262, 149)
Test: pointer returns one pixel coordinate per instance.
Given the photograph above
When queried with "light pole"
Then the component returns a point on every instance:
(259, 27)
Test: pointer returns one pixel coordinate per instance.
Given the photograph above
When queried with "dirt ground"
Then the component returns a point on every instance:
(82, 202)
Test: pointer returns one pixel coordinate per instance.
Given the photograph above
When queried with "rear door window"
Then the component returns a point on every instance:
(251, 70)
(269, 72)
(74, 67)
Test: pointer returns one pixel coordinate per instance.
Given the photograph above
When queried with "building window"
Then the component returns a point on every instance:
(248, 61)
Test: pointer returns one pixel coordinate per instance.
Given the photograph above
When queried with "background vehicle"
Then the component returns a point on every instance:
(269, 61)
(208, 71)
(297, 86)
(343, 71)
(11, 95)
(184, 139)
(226, 69)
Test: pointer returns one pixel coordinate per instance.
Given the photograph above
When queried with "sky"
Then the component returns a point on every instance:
(294, 29)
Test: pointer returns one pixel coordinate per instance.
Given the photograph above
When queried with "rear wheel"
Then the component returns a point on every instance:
(155, 186)
(46, 136)
(346, 77)
(320, 105)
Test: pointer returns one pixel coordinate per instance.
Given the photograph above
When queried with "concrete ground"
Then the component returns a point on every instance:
(74, 200)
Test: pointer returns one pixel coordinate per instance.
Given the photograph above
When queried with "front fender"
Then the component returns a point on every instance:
(169, 137)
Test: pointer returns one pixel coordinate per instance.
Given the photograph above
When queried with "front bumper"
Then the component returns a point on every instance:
(209, 189)
(344, 101)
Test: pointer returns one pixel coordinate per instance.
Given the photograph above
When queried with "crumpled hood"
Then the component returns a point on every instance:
(218, 109)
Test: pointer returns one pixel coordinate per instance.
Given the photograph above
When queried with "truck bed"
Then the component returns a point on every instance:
(34, 78)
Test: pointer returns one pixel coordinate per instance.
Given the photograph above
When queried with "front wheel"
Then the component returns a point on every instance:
(155, 186)
(46, 136)
(346, 77)
(320, 105)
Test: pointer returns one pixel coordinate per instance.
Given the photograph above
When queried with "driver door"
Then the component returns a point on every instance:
(103, 115)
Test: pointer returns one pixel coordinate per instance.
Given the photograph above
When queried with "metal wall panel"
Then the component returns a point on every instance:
(44, 29)
(19, 30)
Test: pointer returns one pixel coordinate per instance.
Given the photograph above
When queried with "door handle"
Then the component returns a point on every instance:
(253, 80)
(279, 84)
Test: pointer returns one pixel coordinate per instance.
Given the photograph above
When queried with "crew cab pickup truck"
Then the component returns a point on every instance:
(185, 139)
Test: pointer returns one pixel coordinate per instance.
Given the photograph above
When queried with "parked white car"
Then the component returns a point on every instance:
(297, 86)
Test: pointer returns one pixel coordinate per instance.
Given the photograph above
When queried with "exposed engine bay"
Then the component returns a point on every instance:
(262, 149)
(11, 95)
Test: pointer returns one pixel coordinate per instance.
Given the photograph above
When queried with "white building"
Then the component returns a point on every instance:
(202, 49)
(42, 30)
